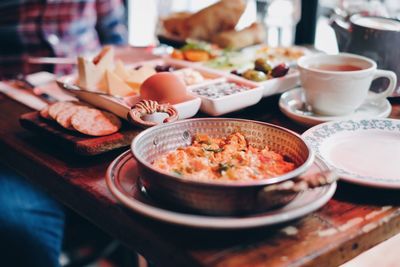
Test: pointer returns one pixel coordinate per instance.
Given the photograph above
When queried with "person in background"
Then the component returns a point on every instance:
(56, 28)
(31, 222)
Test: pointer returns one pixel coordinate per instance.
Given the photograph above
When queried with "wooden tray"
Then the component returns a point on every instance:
(77, 142)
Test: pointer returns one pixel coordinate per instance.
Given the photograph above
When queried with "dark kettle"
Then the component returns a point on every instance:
(375, 37)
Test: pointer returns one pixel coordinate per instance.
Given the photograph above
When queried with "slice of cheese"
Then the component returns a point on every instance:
(92, 72)
(121, 71)
(102, 85)
(135, 86)
(116, 86)
(89, 74)
(105, 59)
(137, 77)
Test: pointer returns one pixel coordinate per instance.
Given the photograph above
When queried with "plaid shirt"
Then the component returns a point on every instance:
(56, 28)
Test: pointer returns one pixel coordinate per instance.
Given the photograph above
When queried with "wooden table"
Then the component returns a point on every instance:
(354, 220)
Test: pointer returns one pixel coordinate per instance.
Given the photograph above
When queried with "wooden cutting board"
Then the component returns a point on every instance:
(77, 142)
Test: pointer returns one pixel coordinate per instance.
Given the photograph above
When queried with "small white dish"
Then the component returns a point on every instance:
(364, 151)
(279, 85)
(274, 85)
(229, 103)
(122, 181)
(292, 104)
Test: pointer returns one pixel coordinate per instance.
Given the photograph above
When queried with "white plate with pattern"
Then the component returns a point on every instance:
(364, 151)
(122, 181)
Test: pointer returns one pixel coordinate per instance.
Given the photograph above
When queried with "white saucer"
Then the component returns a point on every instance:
(365, 151)
(292, 105)
(122, 180)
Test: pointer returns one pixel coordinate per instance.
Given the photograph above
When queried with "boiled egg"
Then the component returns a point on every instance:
(164, 87)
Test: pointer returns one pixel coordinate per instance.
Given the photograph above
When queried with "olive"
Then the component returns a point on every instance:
(235, 72)
(164, 68)
(262, 65)
(254, 75)
(280, 70)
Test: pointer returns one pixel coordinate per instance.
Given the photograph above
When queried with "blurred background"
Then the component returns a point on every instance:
(287, 22)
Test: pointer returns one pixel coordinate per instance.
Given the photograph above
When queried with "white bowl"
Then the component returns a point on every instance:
(230, 103)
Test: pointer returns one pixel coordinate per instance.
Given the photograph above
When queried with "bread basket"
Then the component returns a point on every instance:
(210, 197)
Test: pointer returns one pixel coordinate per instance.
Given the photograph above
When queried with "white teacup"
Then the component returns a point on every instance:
(339, 84)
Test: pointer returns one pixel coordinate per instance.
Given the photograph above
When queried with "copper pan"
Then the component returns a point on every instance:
(223, 198)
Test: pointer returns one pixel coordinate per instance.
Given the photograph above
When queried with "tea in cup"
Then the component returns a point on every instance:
(337, 85)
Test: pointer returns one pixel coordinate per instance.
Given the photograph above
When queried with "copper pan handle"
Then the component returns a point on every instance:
(284, 192)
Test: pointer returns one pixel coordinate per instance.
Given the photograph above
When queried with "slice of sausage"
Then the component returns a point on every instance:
(44, 113)
(55, 108)
(64, 117)
(95, 122)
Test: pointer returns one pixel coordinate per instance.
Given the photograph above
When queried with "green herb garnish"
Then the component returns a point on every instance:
(196, 45)
(215, 150)
(224, 167)
(177, 172)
